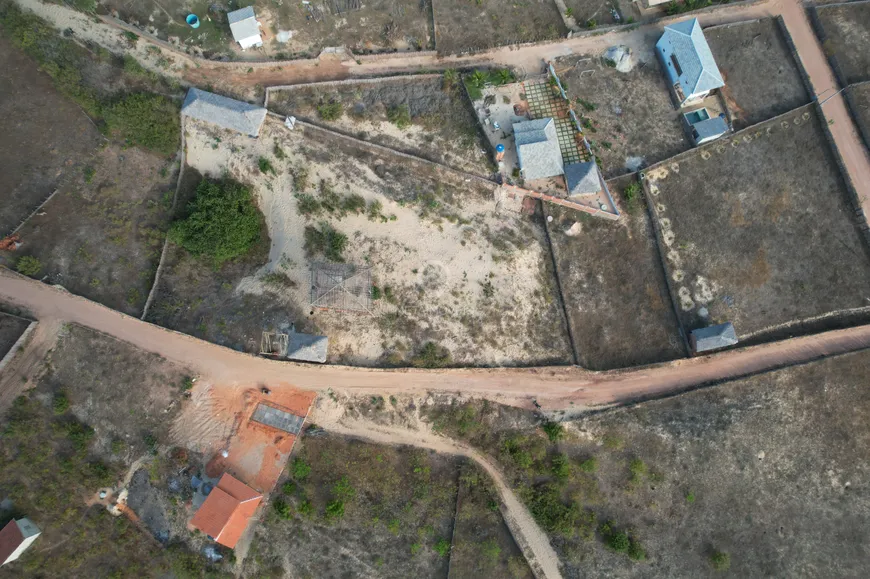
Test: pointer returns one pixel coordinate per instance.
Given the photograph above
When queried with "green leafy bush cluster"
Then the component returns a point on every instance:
(400, 116)
(325, 240)
(621, 542)
(222, 222)
(555, 516)
(331, 202)
(431, 355)
(28, 265)
(331, 111)
(553, 430)
(300, 469)
(720, 561)
(146, 120)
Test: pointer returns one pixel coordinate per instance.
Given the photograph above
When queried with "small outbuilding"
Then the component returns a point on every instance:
(245, 28)
(226, 511)
(15, 538)
(224, 112)
(582, 179)
(703, 128)
(688, 62)
(713, 337)
(538, 149)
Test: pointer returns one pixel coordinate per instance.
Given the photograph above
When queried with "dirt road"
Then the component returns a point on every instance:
(532, 540)
(553, 387)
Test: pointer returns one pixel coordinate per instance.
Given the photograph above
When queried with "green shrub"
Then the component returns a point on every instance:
(560, 467)
(545, 504)
(331, 111)
(354, 204)
(305, 508)
(635, 551)
(638, 470)
(720, 561)
(631, 194)
(301, 469)
(400, 116)
(591, 23)
(589, 465)
(60, 403)
(187, 384)
(335, 509)
(374, 210)
(79, 434)
(265, 165)
(326, 240)
(222, 222)
(442, 547)
(147, 120)
(300, 178)
(28, 265)
(491, 550)
(450, 79)
(618, 541)
(431, 355)
(553, 430)
(289, 487)
(85, 5)
(343, 490)
(279, 152)
(282, 507)
(307, 205)
(690, 497)
(376, 292)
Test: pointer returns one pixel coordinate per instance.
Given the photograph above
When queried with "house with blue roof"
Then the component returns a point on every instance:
(688, 62)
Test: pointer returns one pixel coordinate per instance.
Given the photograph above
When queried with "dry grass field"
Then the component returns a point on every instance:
(846, 28)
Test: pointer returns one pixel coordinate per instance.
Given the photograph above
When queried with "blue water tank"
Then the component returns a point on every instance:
(499, 148)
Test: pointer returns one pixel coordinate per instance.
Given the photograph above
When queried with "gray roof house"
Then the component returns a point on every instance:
(223, 112)
(245, 28)
(688, 61)
(307, 347)
(582, 179)
(713, 337)
(538, 149)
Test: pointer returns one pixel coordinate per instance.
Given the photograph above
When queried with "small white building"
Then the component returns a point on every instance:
(15, 538)
(245, 28)
(688, 62)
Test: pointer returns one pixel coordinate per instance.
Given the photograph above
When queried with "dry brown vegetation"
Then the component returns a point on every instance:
(846, 29)
(757, 229)
(11, 328)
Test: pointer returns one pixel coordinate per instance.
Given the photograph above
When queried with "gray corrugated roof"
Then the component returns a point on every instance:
(243, 23)
(694, 55)
(280, 419)
(538, 149)
(714, 337)
(307, 347)
(224, 112)
(582, 178)
(712, 127)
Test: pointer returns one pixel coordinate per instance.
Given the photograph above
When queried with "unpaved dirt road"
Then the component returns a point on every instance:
(553, 387)
(532, 540)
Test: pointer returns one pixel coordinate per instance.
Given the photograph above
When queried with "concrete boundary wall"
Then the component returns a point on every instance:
(32, 213)
(344, 82)
(18, 345)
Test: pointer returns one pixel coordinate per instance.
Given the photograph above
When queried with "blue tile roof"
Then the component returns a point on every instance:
(696, 59)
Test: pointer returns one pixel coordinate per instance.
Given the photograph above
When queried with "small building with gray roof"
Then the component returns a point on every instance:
(245, 28)
(688, 61)
(538, 149)
(713, 337)
(582, 179)
(224, 112)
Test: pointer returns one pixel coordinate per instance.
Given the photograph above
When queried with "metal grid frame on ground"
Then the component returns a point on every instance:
(341, 286)
(278, 418)
(545, 103)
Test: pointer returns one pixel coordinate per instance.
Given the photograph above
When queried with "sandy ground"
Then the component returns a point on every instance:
(532, 540)
(553, 387)
(437, 271)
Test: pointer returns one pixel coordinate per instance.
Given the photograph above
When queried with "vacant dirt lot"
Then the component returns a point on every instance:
(11, 328)
(630, 120)
(592, 13)
(47, 137)
(449, 270)
(359, 509)
(744, 221)
(747, 53)
(847, 31)
(614, 287)
(859, 96)
(467, 26)
(101, 235)
(98, 405)
(380, 25)
(440, 123)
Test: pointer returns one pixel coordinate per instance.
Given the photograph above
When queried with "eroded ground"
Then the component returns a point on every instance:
(847, 30)
(449, 270)
(439, 125)
(757, 229)
(613, 286)
(746, 53)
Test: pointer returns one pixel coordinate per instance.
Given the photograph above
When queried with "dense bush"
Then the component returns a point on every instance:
(555, 516)
(28, 265)
(553, 430)
(326, 240)
(400, 116)
(222, 223)
(720, 561)
(147, 120)
(282, 508)
(431, 356)
(330, 111)
(301, 469)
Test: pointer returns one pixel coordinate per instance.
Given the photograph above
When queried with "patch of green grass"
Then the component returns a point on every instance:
(720, 561)
(300, 469)
(147, 120)
(589, 465)
(400, 116)
(553, 430)
(442, 547)
(265, 166)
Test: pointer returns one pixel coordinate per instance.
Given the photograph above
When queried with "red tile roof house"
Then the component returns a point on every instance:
(15, 537)
(225, 513)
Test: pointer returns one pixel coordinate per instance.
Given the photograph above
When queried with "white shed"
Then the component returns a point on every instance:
(245, 28)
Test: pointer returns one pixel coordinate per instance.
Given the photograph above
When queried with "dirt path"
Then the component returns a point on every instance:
(553, 387)
(532, 540)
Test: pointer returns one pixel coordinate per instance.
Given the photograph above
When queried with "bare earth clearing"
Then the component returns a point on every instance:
(458, 274)
(746, 53)
(757, 229)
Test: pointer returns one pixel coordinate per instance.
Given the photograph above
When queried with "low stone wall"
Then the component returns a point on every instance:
(18, 345)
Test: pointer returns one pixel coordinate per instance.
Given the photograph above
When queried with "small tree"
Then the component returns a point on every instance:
(28, 265)
(554, 431)
(400, 116)
(330, 111)
(222, 223)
